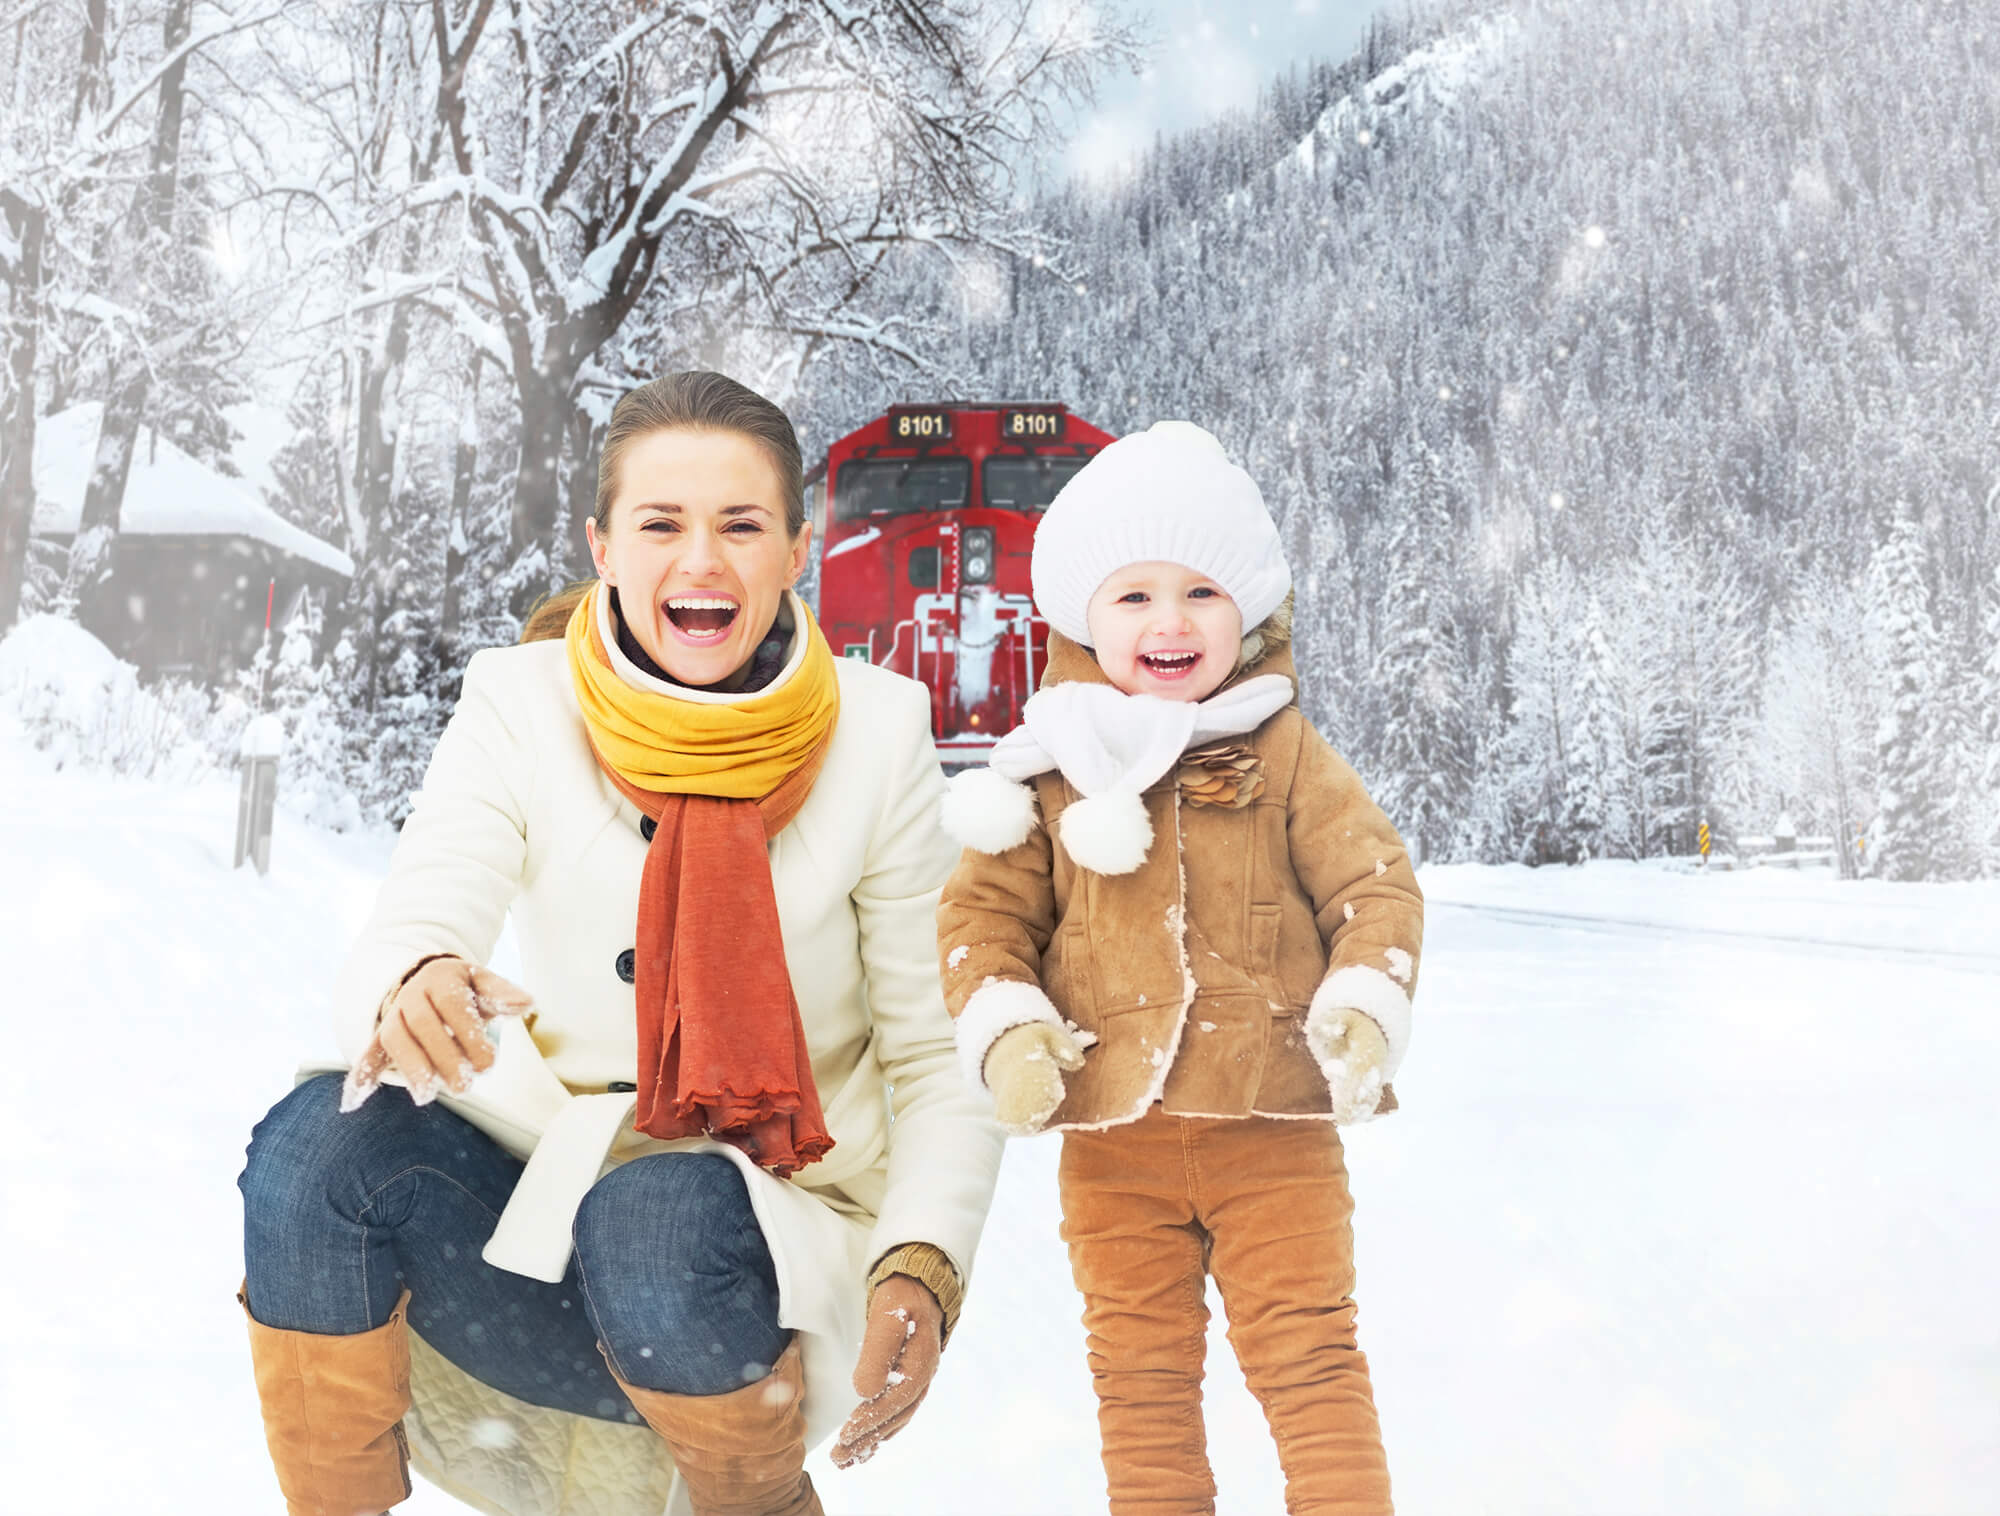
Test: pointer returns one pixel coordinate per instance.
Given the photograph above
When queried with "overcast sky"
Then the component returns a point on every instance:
(1208, 56)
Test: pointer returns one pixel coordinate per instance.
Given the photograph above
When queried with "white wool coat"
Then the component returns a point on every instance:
(515, 815)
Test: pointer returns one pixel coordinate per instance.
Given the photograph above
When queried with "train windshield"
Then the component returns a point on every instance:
(1025, 484)
(899, 487)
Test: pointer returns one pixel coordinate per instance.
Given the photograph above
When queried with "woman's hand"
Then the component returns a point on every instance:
(434, 1031)
(899, 1358)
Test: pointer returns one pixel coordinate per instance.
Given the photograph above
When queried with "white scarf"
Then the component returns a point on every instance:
(1111, 747)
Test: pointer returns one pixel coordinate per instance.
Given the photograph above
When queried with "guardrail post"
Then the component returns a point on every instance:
(263, 744)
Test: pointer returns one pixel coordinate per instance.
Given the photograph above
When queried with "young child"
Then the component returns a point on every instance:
(1183, 934)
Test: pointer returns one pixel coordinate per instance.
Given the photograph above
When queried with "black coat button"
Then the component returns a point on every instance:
(625, 961)
(648, 826)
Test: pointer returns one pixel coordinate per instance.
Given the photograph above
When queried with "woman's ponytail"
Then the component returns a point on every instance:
(549, 616)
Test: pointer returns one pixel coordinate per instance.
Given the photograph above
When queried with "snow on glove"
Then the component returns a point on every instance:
(899, 1358)
(1352, 1053)
(1024, 1069)
(433, 1030)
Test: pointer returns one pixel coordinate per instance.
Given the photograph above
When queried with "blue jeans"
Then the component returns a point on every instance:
(671, 1272)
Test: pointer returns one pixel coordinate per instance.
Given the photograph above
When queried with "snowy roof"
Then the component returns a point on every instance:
(168, 493)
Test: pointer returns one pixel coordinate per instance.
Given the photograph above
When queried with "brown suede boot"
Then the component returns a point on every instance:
(333, 1414)
(742, 1453)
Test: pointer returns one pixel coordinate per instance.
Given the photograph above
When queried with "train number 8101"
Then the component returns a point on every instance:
(920, 426)
(1042, 425)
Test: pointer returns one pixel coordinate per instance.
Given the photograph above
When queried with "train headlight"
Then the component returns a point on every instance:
(976, 564)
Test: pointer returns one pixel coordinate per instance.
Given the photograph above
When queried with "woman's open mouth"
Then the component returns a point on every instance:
(701, 620)
(1169, 665)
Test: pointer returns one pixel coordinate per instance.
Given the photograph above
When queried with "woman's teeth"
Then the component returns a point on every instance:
(701, 616)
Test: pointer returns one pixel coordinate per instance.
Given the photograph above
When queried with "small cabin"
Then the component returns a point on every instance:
(197, 559)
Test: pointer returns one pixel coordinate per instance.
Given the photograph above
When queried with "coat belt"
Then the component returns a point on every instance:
(533, 1233)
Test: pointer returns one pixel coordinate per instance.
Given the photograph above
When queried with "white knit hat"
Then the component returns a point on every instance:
(1168, 494)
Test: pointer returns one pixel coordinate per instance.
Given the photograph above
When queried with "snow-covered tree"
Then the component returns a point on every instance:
(496, 217)
(1815, 750)
(23, 234)
(1907, 837)
(592, 196)
(1423, 756)
(108, 113)
(313, 773)
(1694, 636)
(1542, 721)
(1596, 753)
(1988, 728)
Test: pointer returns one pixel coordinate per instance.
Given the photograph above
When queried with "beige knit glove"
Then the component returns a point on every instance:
(899, 1359)
(1024, 1070)
(432, 1030)
(1352, 1053)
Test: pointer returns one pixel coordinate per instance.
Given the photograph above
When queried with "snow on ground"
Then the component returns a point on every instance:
(1671, 1220)
(1949, 922)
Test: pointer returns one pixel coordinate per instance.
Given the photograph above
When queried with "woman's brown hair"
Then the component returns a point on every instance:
(695, 400)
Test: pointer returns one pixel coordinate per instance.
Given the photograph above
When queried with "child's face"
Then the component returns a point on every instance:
(1162, 629)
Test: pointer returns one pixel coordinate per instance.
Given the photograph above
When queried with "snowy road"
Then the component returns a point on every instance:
(1673, 1220)
(1975, 961)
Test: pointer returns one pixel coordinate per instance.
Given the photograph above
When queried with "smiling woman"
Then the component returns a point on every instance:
(699, 530)
(719, 845)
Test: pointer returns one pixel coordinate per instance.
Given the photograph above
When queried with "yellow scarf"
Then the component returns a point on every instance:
(721, 1044)
(739, 749)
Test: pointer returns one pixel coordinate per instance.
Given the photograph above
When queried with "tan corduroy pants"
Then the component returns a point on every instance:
(1263, 1204)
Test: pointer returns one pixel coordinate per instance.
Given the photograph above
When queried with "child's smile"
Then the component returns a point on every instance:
(1163, 629)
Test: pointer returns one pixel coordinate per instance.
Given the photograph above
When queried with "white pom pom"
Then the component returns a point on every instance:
(986, 812)
(1108, 833)
(1186, 434)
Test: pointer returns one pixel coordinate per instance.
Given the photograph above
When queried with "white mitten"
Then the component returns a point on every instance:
(1352, 1053)
(1024, 1069)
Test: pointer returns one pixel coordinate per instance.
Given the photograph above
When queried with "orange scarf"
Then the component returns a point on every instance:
(722, 1047)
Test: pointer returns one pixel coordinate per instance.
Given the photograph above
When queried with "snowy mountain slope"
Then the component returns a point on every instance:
(1417, 92)
(1584, 392)
(1666, 1224)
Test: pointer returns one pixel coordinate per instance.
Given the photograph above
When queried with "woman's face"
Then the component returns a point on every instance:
(697, 549)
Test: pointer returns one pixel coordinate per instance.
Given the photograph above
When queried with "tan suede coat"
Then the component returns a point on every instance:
(1196, 973)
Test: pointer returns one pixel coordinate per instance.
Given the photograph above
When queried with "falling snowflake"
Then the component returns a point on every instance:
(494, 1432)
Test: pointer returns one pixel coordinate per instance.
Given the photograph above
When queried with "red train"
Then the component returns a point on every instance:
(929, 516)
